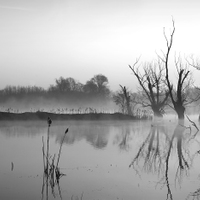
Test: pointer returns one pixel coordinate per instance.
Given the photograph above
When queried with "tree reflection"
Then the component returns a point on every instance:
(154, 153)
(152, 150)
(184, 158)
(122, 139)
(183, 163)
(194, 195)
(96, 135)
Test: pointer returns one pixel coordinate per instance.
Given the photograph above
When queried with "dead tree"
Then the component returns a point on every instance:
(178, 95)
(123, 99)
(195, 64)
(153, 86)
(119, 100)
(127, 100)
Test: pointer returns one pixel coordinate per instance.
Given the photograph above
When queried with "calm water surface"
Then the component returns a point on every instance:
(107, 160)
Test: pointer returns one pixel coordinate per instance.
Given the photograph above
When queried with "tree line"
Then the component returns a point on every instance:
(63, 88)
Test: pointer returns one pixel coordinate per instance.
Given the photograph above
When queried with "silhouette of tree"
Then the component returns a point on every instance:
(123, 99)
(152, 82)
(97, 85)
(66, 85)
(178, 95)
(90, 87)
(101, 82)
(21, 91)
(62, 85)
(196, 90)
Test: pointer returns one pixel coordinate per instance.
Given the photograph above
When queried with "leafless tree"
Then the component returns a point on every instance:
(123, 99)
(152, 82)
(178, 93)
(195, 63)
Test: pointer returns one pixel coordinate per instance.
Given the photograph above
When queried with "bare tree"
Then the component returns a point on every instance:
(123, 99)
(178, 94)
(127, 100)
(195, 63)
(153, 86)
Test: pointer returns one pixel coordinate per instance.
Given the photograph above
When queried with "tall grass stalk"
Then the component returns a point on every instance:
(52, 172)
(43, 153)
(59, 153)
(47, 156)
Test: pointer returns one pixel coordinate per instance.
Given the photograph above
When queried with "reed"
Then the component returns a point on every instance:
(47, 153)
(52, 172)
(59, 153)
(43, 153)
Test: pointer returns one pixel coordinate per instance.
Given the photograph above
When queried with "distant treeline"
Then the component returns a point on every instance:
(68, 93)
(96, 87)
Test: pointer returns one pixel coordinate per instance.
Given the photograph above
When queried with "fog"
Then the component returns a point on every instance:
(58, 105)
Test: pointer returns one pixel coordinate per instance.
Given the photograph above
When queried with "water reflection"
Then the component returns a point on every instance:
(182, 163)
(22, 129)
(95, 157)
(50, 182)
(123, 138)
(194, 195)
(152, 150)
(95, 135)
(154, 155)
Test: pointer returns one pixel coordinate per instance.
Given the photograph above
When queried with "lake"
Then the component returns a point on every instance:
(101, 160)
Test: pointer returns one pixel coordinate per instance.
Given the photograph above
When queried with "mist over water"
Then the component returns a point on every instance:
(102, 159)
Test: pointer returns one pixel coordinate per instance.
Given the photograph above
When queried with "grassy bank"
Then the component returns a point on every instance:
(54, 116)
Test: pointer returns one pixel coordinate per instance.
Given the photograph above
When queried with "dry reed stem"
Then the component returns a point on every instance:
(43, 154)
(61, 147)
(47, 154)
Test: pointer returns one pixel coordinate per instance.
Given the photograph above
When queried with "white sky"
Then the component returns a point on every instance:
(41, 40)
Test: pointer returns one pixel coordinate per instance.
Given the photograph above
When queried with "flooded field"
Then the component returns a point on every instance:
(102, 160)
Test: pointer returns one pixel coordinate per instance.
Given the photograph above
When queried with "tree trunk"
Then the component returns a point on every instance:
(156, 111)
(180, 110)
(157, 114)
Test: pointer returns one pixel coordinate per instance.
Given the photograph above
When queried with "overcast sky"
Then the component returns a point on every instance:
(41, 40)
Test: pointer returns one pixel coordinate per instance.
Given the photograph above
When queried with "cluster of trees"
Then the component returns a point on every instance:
(96, 85)
(63, 87)
(157, 89)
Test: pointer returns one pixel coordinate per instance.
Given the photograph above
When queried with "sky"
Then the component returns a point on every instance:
(42, 40)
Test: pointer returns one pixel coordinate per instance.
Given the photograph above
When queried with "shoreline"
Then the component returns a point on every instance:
(25, 116)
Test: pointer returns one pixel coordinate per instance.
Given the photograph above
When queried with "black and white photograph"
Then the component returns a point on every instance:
(99, 100)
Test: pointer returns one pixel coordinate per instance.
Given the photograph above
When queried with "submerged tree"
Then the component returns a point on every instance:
(152, 82)
(157, 86)
(178, 94)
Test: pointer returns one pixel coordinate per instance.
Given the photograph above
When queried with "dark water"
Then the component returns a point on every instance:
(102, 160)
